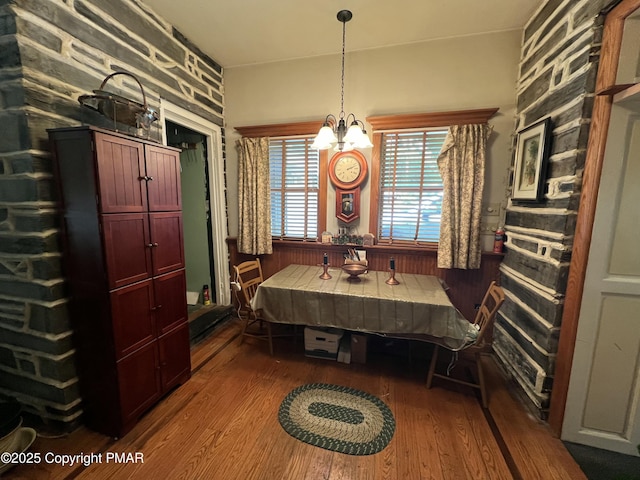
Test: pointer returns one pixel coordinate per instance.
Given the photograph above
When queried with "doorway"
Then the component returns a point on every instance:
(196, 221)
(204, 199)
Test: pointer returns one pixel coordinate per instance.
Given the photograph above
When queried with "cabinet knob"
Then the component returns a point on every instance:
(156, 307)
(151, 245)
(149, 179)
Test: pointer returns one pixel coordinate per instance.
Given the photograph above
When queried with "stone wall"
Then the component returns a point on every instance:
(51, 52)
(560, 53)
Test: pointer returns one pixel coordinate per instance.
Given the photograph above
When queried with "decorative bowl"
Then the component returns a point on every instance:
(7, 441)
(354, 269)
(23, 439)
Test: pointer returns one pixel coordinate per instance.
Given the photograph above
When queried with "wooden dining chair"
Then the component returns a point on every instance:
(484, 320)
(249, 277)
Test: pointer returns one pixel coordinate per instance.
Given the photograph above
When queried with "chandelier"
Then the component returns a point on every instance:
(334, 131)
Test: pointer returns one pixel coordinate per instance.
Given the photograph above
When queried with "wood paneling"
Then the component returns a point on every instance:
(467, 286)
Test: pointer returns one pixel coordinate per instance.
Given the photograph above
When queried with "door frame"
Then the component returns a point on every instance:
(217, 189)
(605, 89)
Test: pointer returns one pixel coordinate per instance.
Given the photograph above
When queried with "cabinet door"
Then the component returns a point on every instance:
(132, 316)
(121, 177)
(127, 248)
(139, 381)
(166, 238)
(163, 171)
(175, 357)
(171, 300)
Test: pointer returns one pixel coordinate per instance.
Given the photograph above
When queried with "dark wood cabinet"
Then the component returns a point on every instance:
(124, 260)
(167, 253)
(127, 254)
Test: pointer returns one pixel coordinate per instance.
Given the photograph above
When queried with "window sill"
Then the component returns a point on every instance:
(408, 248)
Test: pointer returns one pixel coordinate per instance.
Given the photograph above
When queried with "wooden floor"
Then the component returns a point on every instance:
(222, 424)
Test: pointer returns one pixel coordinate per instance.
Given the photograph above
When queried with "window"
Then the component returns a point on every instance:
(410, 186)
(406, 187)
(298, 179)
(295, 188)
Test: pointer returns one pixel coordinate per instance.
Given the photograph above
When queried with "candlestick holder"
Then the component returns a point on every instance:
(392, 278)
(325, 274)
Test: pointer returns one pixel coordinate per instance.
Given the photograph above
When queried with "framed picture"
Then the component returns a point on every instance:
(532, 151)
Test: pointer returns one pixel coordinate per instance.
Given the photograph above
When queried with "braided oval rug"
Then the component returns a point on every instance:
(337, 418)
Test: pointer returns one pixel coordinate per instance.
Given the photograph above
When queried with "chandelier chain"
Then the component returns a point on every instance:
(344, 36)
(334, 131)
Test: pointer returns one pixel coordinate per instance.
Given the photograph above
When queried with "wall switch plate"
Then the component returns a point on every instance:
(491, 209)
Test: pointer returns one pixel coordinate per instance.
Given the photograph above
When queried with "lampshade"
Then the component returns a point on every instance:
(334, 131)
(325, 138)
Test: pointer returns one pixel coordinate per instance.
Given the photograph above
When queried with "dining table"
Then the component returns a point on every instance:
(417, 307)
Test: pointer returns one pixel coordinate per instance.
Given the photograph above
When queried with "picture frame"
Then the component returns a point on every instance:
(532, 152)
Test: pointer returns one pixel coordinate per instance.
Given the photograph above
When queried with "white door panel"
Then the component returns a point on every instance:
(603, 402)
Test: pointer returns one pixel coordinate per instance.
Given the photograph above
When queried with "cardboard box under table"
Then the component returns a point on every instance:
(322, 342)
(358, 348)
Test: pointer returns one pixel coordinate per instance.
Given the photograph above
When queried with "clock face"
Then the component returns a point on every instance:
(347, 169)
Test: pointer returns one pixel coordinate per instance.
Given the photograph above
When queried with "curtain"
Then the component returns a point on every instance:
(254, 219)
(461, 164)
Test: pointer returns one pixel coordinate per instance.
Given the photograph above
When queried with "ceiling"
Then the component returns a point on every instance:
(246, 32)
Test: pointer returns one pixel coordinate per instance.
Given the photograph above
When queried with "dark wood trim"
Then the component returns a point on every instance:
(322, 197)
(615, 89)
(467, 287)
(607, 72)
(280, 129)
(374, 190)
(436, 119)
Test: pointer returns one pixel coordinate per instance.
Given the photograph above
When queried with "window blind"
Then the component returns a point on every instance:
(410, 186)
(295, 176)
